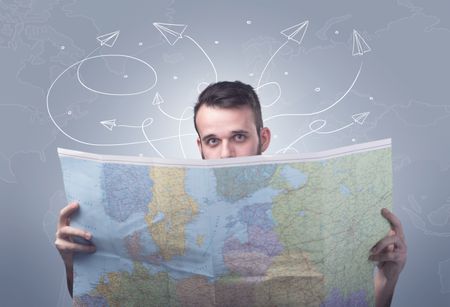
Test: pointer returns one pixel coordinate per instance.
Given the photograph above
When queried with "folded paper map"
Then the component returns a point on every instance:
(283, 230)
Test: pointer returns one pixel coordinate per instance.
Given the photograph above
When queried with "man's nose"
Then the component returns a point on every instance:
(227, 150)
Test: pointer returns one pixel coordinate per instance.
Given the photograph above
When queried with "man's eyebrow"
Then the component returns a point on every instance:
(239, 132)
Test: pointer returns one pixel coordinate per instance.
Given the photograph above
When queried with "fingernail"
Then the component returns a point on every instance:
(88, 236)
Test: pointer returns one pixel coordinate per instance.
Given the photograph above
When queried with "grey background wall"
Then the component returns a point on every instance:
(401, 78)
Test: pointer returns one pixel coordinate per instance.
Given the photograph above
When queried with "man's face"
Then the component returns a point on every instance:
(227, 133)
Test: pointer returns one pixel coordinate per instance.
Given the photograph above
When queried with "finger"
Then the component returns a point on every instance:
(69, 231)
(69, 247)
(386, 257)
(66, 212)
(386, 242)
(396, 225)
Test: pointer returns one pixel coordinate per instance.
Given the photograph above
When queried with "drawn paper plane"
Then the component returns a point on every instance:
(360, 117)
(108, 39)
(157, 99)
(359, 44)
(171, 32)
(109, 124)
(296, 32)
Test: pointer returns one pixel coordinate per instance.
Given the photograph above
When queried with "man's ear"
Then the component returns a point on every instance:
(265, 138)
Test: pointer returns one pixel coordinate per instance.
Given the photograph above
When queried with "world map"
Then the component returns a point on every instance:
(286, 230)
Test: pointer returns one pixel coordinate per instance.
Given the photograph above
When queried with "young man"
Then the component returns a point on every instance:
(229, 124)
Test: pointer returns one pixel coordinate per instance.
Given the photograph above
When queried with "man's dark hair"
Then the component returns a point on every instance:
(228, 95)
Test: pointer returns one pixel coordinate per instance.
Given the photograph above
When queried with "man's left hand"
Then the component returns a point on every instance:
(390, 254)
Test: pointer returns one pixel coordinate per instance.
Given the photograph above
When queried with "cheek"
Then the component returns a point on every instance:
(211, 153)
(248, 149)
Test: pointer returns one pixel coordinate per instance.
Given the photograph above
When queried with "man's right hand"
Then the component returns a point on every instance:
(64, 240)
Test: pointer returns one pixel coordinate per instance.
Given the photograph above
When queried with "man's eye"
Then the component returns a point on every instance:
(239, 137)
(212, 141)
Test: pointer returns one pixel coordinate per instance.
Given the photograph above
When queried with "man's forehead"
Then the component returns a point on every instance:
(212, 120)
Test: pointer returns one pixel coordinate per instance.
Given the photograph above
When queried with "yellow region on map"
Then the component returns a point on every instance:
(170, 209)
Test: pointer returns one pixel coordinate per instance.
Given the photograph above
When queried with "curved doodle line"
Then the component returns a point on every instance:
(198, 86)
(179, 130)
(286, 149)
(173, 137)
(276, 99)
(209, 59)
(128, 126)
(132, 126)
(289, 37)
(59, 128)
(323, 110)
(116, 94)
(143, 125)
(88, 143)
(336, 130)
(317, 130)
(268, 62)
(324, 122)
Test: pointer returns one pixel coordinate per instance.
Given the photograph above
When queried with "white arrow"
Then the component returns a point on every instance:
(357, 118)
(111, 123)
(294, 33)
(297, 32)
(173, 32)
(359, 44)
(360, 117)
(108, 39)
(158, 101)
